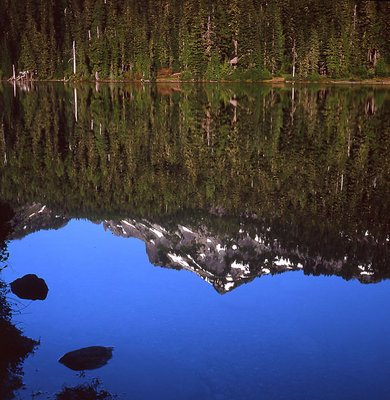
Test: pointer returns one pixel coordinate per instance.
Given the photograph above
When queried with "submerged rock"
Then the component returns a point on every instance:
(30, 287)
(92, 357)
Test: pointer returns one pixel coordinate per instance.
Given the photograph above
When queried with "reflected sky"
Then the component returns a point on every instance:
(283, 336)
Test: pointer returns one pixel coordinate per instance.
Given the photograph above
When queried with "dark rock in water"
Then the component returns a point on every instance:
(30, 287)
(92, 357)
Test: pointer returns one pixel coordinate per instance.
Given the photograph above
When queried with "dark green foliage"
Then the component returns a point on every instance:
(131, 39)
(87, 391)
(14, 349)
(5, 309)
(6, 214)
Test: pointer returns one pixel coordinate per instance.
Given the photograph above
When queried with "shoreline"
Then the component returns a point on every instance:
(273, 81)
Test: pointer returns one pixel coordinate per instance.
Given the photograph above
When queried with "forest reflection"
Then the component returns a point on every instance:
(15, 347)
(302, 166)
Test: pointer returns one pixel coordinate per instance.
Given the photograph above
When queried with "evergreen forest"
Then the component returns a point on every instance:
(195, 39)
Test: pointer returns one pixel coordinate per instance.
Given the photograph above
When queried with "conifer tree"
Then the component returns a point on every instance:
(200, 38)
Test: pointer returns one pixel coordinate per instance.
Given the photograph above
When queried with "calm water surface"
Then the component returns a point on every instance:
(264, 213)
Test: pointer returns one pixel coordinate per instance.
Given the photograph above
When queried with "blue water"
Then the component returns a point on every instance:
(287, 336)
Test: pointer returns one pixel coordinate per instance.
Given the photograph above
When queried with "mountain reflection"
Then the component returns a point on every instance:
(231, 182)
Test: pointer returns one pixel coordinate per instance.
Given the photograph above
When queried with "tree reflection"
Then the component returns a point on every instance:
(86, 391)
(303, 167)
(14, 347)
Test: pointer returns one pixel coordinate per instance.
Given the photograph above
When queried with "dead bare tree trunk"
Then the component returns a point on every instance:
(208, 39)
(3, 144)
(74, 57)
(294, 54)
(75, 105)
(292, 112)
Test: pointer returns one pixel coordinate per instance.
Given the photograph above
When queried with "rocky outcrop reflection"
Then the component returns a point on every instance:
(228, 251)
(87, 358)
(249, 249)
(34, 217)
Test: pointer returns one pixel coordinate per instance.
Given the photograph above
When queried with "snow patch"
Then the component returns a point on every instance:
(220, 248)
(282, 262)
(156, 232)
(259, 240)
(366, 273)
(208, 280)
(186, 229)
(38, 212)
(242, 267)
(366, 270)
(127, 223)
(160, 228)
(229, 278)
(179, 260)
(192, 259)
(265, 271)
(229, 285)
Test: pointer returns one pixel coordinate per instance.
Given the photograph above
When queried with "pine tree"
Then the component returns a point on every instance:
(201, 38)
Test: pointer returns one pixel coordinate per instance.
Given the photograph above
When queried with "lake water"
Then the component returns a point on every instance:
(228, 241)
